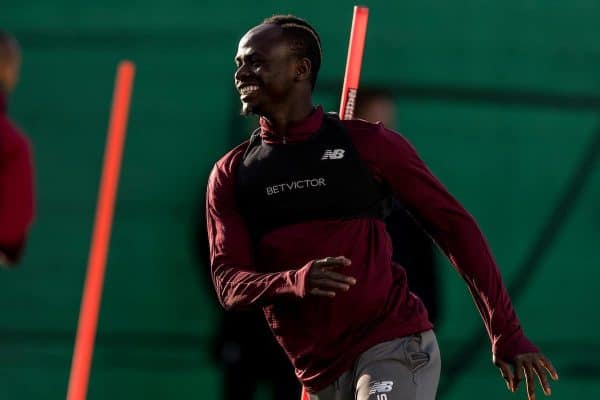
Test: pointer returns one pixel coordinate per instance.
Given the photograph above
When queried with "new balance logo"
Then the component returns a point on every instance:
(333, 154)
(381, 387)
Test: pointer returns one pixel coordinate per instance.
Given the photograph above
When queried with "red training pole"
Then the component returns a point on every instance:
(92, 292)
(358, 34)
(304, 395)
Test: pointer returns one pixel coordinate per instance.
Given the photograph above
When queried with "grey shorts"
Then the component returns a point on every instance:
(407, 368)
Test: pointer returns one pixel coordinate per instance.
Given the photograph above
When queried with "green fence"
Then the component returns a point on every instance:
(500, 99)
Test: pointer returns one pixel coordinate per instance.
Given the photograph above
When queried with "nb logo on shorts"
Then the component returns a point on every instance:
(333, 154)
(380, 387)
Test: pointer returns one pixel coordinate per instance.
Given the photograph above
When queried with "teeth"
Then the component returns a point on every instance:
(248, 89)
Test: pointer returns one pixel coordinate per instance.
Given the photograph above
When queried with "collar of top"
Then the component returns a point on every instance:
(297, 131)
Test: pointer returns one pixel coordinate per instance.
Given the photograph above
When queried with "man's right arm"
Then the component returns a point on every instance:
(234, 275)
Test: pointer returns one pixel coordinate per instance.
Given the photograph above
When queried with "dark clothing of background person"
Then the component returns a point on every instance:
(16, 188)
(250, 355)
(414, 250)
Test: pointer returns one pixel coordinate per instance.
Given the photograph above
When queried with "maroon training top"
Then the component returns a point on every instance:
(324, 336)
(16, 187)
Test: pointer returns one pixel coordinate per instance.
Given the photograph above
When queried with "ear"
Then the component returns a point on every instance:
(303, 69)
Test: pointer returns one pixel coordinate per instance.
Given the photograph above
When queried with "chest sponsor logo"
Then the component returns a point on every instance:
(334, 154)
(302, 184)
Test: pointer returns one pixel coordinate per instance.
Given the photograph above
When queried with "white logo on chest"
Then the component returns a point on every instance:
(295, 185)
(335, 154)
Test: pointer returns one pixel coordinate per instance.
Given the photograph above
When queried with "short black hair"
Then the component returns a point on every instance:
(367, 94)
(303, 38)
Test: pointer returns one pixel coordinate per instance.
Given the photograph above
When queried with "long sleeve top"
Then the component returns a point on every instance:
(324, 336)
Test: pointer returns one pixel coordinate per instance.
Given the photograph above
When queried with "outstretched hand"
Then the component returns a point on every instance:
(527, 365)
(324, 281)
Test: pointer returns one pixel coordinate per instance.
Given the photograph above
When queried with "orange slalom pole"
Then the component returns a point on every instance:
(358, 34)
(92, 292)
(304, 395)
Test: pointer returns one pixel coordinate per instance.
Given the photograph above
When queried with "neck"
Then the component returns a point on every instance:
(281, 120)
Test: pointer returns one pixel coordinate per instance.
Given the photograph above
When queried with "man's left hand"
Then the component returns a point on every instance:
(527, 365)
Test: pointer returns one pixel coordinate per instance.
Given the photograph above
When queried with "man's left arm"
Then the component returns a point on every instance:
(457, 234)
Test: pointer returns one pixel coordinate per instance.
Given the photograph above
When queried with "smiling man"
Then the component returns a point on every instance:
(317, 257)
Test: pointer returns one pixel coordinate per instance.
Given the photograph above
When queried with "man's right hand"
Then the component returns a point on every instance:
(324, 281)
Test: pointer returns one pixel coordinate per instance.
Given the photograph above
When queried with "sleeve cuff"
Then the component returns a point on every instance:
(509, 349)
(302, 280)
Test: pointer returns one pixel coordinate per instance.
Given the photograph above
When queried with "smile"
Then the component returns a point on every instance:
(246, 90)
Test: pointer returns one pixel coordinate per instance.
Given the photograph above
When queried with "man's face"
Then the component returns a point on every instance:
(265, 72)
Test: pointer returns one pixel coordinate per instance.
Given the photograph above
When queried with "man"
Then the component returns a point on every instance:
(412, 248)
(295, 224)
(16, 180)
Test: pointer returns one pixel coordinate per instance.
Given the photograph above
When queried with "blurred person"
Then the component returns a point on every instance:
(295, 224)
(16, 172)
(250, 356)
(412, 247)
